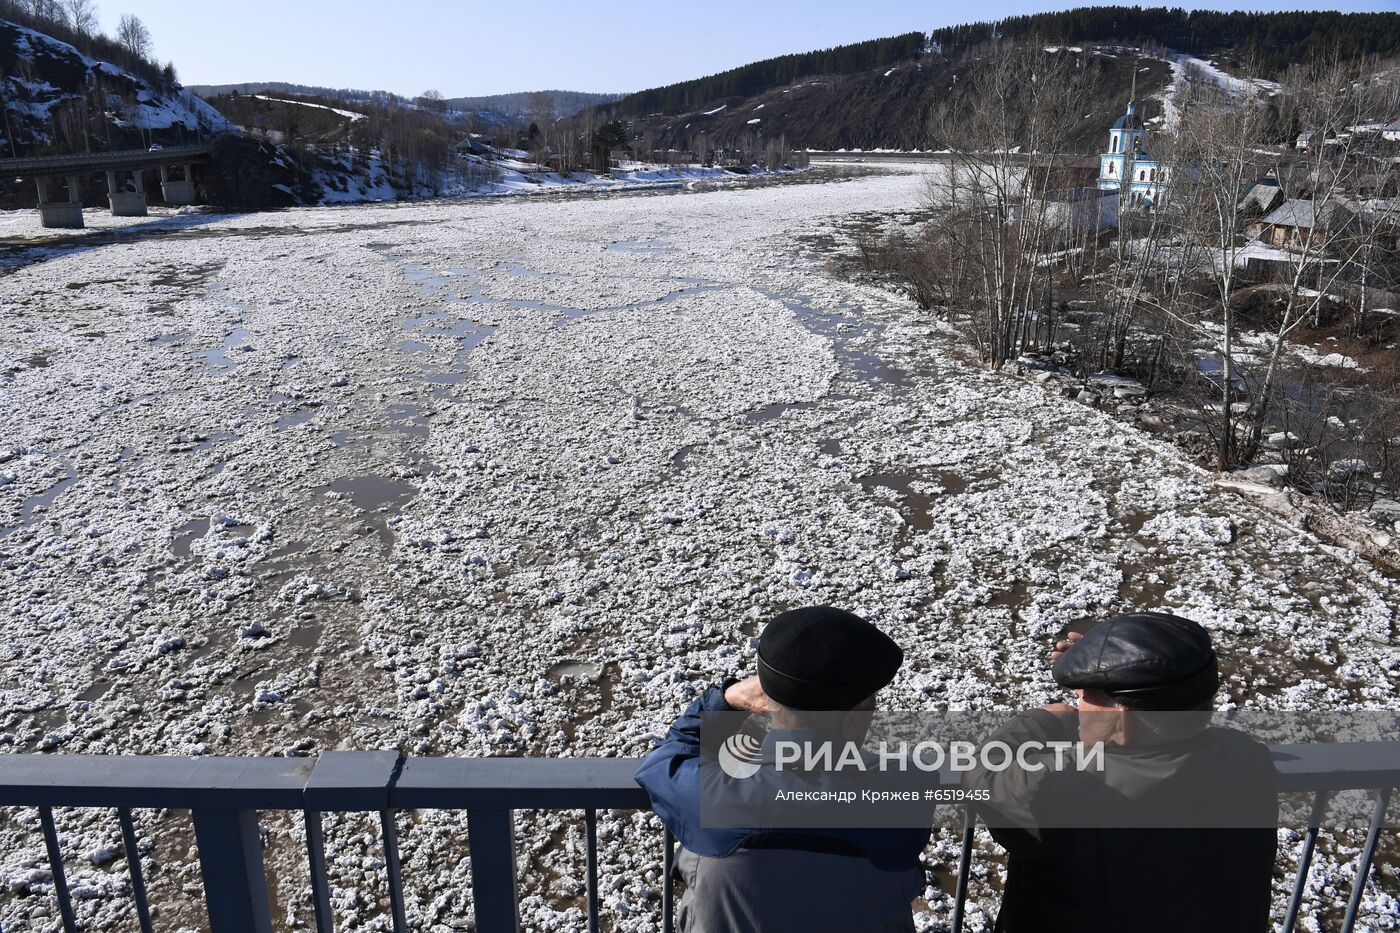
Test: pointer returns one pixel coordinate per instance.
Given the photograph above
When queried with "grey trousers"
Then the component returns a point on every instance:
(773, 890)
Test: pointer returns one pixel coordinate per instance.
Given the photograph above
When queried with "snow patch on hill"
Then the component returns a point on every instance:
(1186, 68)
(353, 115)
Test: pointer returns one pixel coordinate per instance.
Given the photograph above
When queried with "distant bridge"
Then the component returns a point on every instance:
(98, 161)
(124, 202)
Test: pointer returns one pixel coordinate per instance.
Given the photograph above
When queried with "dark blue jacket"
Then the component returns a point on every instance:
(671, 776)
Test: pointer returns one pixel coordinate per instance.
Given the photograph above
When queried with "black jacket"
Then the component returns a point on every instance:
(1099, 875)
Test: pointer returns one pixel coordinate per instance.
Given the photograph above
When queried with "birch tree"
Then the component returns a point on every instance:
(1010, 131)
(1218, 156)
(133, 36)
(1328, 102)
(82, 16)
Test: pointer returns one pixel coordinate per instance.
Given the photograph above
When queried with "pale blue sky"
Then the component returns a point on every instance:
(473, 47)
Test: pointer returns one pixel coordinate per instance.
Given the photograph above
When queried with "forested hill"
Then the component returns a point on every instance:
(285, 87)
(1265, 43)
(522, 105)
(887, 106)
(508, 107)
(1269, 42)
(749, 80)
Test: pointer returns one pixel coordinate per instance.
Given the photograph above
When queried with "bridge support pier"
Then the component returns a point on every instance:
(126, 203)
(177, 192)
(65, 214)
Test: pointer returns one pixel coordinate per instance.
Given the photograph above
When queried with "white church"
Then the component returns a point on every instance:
(1127, 168)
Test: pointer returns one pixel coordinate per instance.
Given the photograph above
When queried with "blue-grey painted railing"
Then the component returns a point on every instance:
(224, 796)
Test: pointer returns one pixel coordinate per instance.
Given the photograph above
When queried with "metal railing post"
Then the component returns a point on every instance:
(964, 869)
(230, 860)
(668, 893)
(390, 827)
(60, 880)
(133, 869)
(590, 820)
(352, 782)
(316, 860)
(1363, 864)
(1295, 903)
(491, 841)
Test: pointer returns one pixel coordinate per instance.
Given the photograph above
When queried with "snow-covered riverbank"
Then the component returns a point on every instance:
(520, 476)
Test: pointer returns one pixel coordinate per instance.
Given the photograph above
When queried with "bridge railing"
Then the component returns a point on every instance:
(115, 158)
(225, 796)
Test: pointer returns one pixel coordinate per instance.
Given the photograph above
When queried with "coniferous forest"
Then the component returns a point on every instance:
(773, 72)
(1269, 42)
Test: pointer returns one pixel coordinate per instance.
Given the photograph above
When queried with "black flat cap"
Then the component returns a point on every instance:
(1146, 660)
(822, 658)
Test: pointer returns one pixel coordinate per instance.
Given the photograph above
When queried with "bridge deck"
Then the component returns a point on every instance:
(98, 161)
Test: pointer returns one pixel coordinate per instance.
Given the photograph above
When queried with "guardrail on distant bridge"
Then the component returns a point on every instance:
(96, 161)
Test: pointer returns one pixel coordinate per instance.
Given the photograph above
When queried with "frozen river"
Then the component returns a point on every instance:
(521, 476)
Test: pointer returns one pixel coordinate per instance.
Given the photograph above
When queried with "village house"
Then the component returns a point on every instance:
(620, 155)
(477, 144)
(1296, 223)
(1313, 140)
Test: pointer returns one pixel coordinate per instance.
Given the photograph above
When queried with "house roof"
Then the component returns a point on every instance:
(1296, 212)
(1261, 195)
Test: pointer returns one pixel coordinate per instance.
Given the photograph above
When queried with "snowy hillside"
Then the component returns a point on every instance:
(55, 96)
(353, 115)
(883, 106)
(1188, 70)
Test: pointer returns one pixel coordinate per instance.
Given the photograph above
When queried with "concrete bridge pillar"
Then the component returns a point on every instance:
(67, 214)
(177, 192)
(126, 203)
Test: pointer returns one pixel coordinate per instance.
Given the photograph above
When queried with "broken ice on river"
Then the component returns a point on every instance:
(521, 476)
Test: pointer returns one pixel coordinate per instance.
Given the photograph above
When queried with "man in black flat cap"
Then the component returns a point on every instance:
(815, 659)
(1176, 831)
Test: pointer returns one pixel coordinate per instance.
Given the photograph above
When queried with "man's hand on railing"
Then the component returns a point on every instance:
(1070, 640)
(1061, 647)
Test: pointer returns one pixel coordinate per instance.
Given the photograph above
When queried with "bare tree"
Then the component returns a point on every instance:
(1010, 133)
(82, 16)
(46, 9)
(431, 100)
(542, 112)
(133, 36)
(5, 106)
(1218, 156)
(1330, 237)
